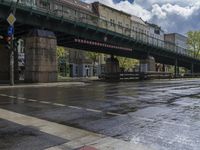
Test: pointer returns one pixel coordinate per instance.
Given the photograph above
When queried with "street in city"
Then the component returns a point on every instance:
(159, 114)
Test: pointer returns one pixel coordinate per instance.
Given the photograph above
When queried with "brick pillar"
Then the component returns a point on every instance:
(41, 62)
(148, 64)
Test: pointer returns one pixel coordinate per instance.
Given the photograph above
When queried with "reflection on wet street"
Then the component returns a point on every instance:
(164, 114)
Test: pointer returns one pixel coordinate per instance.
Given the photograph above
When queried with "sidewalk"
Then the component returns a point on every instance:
(60, 82)
(76, 139)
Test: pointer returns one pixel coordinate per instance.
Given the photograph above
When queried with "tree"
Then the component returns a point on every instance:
(62, 59)
(93, 56)
(127, 63)
(194, 43)
(60, 52)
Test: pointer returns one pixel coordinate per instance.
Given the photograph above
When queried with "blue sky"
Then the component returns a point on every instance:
(178, 16)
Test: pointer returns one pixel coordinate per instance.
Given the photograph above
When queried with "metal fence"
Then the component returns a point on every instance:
(64, 12)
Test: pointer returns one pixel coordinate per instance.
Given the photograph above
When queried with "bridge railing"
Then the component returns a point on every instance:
(66, 12)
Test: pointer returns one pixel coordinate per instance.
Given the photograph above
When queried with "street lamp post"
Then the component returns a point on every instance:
(12, 51)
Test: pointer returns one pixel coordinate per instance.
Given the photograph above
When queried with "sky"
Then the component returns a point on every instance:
(179, 16)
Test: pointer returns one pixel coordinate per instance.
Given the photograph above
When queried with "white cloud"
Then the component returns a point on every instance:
(167, 9)
(172, 15)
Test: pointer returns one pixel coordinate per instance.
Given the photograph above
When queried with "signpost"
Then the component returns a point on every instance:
(10, 31)
(11, 20)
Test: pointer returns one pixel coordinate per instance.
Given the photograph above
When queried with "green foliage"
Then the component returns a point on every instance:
(194, 43)
(93, 56)
(60, 52)
(127, 63)
(62, 58)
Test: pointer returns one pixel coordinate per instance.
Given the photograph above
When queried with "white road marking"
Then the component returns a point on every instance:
(44, 102)
(11, 96)
(115, 114)
(75, 107)
(57, 104)
(32, 100)
(3, 95)
(21, 98)
(94, 110)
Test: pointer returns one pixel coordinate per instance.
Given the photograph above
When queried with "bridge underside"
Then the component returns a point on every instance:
(82, 36)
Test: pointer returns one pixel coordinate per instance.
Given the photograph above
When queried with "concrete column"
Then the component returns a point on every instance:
(112, 68)
(41, 62)
(148, 64)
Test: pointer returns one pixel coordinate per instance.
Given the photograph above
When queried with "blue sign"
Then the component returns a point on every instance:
(10, 31)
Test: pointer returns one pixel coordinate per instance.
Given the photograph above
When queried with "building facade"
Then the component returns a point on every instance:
(176, 42)
(156, 35)
(28, 2)
(112, 19)
(80, 64)
(139, 29)
(71, 9)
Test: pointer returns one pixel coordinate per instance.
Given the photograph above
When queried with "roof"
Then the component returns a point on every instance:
(177, 35)
(154, 26)
(138, 20)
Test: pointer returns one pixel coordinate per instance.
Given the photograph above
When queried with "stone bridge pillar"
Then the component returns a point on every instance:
(112, 68)
(148, 64)
(40, 50)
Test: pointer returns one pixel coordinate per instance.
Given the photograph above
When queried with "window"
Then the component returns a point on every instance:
(112, 22)
(44, 3)
(157, 31)
(120, 23)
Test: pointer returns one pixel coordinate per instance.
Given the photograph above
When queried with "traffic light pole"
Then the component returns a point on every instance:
(12, 76)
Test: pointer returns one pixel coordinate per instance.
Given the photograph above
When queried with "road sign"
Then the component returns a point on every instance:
(11, 19)
(10, 31)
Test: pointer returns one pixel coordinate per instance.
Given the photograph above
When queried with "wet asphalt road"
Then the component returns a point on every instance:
(164, 114)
